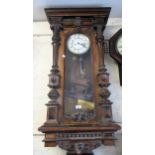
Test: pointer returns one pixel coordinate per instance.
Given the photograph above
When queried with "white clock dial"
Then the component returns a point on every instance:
(119, 45)
(78, 43)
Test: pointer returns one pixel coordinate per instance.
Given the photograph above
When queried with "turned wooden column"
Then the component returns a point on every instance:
(54, 76)
(104, 106)
(100, 43)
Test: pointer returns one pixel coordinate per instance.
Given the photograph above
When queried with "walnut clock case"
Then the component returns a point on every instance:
(79, 113)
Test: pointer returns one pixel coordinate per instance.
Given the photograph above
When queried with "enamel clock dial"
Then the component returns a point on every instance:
(78, 43)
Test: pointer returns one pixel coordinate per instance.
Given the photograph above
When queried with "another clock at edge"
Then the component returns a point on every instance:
(115, 49)
(79, 114)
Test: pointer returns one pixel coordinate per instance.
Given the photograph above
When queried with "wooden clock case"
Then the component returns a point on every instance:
(114, 54)
(78, 134)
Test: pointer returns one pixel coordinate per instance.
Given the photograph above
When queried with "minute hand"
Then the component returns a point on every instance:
(82, 44)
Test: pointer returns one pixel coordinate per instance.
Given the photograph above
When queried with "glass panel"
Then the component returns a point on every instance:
(78, 88)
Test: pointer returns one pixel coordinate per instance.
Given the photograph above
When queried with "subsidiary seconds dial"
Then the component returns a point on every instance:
(78, 43)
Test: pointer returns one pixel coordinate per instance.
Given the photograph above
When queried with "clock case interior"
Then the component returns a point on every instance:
(78, 132)
(78, 88)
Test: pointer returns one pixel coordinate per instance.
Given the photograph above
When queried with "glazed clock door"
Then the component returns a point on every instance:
(79, 102)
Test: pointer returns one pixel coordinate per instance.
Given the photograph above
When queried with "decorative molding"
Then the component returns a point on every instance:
(99, 26)
(54, 79)
(53, 94)
(81, 135)
(103, 79)
(77, 23)
(105, 102)
(79, 147)
(81, 116)
(42, 28)
(104, 93)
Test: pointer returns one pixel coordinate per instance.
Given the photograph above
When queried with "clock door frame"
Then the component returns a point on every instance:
(94, 64)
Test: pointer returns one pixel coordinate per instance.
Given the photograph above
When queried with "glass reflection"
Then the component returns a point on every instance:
(78, 89)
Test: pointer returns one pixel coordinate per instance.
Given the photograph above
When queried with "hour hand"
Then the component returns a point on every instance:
(82, 44)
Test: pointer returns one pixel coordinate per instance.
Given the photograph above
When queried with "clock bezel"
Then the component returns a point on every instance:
(79, 34)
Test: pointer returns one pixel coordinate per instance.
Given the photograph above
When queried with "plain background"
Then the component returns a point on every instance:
(16, 79)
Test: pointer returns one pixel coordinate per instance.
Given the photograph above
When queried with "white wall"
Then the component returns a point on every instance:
(42, 65)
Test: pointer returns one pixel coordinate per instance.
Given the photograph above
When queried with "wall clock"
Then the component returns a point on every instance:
(79, 113)
(115, 49)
